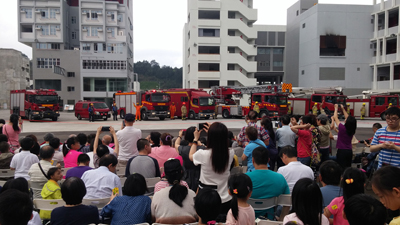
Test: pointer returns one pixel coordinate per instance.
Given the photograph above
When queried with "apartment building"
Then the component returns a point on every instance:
(329, 45)
(219, 44)
(81, 48)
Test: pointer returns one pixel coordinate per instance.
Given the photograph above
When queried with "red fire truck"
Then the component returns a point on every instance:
(199, 104)
(270, 98)
(35, 104)
(154, 103)
(303, 99)
(375, 104)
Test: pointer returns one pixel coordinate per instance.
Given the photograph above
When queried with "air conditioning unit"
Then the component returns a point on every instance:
(83, 29)
(109, 31)
(37, 11)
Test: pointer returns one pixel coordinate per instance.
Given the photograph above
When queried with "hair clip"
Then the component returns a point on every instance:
(349, 181)
(235, 191)
(212, 222)
(170, 159)
(168, 137)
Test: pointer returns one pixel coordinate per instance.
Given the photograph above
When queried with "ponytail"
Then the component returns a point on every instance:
(67, 145)
(234, 206)
(240, 186)
(178, 193)
(14, 119)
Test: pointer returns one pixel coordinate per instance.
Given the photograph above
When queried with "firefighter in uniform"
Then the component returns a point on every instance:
(115, 112)
(172, 110)
(184, 111)
(256, 107)
(216, 111)
(91, 113)
(348, 109)
(390, 105)
(315, 109)
(138, 113)
(362, 111)
(289, 112)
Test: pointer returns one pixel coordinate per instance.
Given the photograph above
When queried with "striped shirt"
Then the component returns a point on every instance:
(262, 133)
(387, 156)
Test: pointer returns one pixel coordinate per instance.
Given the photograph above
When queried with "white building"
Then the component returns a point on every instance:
(219, 44)
(81, 48)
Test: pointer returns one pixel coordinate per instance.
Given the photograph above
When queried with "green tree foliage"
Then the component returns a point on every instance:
(151, 75)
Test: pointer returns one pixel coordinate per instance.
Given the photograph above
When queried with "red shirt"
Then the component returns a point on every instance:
(304, 143)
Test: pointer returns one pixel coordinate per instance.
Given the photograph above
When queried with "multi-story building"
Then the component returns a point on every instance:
(81, 48)
(14, 74)
(219, 44)
(329, 45)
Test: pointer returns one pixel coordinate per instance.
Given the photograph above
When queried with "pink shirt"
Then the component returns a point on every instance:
(71, 159)
(336, 208)
(246, 216)
(13, 136)
(163, 153)
(163, 184)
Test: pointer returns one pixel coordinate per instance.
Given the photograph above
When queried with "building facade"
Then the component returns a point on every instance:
(219, 44)
(329, 45)
(81, 48)
(14, 74)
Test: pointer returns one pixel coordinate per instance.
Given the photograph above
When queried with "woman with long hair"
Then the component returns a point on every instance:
(12, 130)
(70, 152)
(273, 151)
(306, 204)
(173, 204)
(346, 132)
(214, 162)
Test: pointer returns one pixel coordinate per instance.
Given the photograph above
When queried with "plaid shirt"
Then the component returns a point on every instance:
(262, 133)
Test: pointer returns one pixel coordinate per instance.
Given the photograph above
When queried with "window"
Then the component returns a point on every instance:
(53, 46)
(44, 13)
(100, 84)
(70, 102)
(44, 28)
(112, 31)
(94, 15)
(256, 98)
(111, 15)
(278, 64)
(28, 12)
(45, 63)
(304, 25)
(316, 98)
(53, 29)
(104, 64)
(117, 84)
(332, 45)
(208, 14)
(94, 32)
(73, 35)
(86, 46)
(231, 15)
(278, 51)
(380, 101)
(71, 74)
(302, 72)
(208, 50)
(195, 101)
(208, 32)
(48, 84)
(73, 19)
(86, 85)
(53, 13)
(71, 88)
(99, 47)
(120, 18)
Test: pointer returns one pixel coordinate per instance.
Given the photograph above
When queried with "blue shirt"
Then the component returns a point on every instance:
(329, 192)
(248, 151)
(267, 184)
(285, 136)
(128, 210)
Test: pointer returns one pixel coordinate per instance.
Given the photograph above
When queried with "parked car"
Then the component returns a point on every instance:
(101, 110)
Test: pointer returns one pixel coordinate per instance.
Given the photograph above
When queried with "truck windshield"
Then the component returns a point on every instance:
(392, 100)
(100, 105)
(46, 99)
(279, 100)
(206, 101)
(159, 97)
(341, 100)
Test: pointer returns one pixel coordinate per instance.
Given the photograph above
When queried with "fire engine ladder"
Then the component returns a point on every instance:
(219, 90)
(301, 91)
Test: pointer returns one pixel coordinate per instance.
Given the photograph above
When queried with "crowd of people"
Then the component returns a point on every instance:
(197, 182)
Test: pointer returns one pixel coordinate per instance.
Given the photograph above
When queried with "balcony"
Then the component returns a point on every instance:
(208, 23)
(249, 13)
(250, 67)
(209, 40)
(393, 30)
(237, 24)
(391, 57)
(242, 78)
(247, 48)
(209, 57)
(208, 74)
(384, 84)
(27, 35)
(204, 4)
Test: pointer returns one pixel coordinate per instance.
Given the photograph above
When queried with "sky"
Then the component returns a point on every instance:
(158, 26)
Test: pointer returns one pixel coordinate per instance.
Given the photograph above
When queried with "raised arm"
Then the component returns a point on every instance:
(193, 149)
(178, 140)
(344, 112)
(96, 140)
(296, 128)
(116, 143)
(335, 116)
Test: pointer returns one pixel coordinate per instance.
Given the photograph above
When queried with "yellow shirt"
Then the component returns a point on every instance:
(395, 221)
(51, 190)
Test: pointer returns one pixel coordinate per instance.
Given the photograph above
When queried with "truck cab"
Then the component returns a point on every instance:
(271, 104)
(154, 104)
(379, 104)
(202, 106)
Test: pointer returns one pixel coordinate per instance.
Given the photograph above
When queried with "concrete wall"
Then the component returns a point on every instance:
(14, 73)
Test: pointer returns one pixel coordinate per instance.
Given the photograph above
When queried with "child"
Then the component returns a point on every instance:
(240, 188)
(207, 204)
(363, 209)
(70, 152)
(306, 204)
(23, 161)
(386, 185)
(352, 183)
(51, 190)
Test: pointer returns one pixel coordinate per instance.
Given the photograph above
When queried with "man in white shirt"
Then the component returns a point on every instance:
(127, 138)
(39, 176)
(294, 170)
(101, 181)
(23, 161)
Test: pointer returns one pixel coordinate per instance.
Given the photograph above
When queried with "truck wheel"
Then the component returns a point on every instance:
(122, 114)
(54, 118)
(192, 116)
(79, 117)
(263, 113)
(162, 118)
(144, 115)
(226, 114)
(383, 116)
